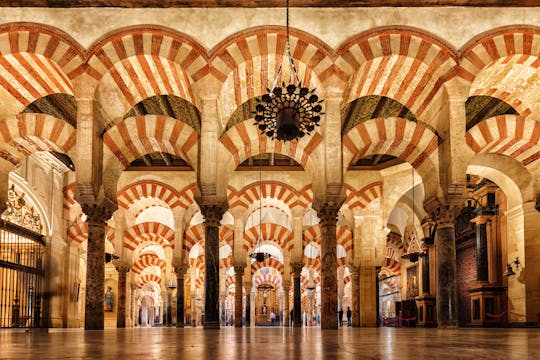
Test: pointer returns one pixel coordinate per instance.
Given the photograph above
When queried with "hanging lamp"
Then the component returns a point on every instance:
(414, 249)
(290, 111)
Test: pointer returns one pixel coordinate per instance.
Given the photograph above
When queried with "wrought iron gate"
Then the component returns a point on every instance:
(21, 276)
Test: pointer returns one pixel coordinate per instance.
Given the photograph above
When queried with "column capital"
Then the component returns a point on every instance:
(121, 266)
(446, 216)
(296, 269)
(239, 269)
(213, 213)
(328, 211)
(180, 270)
(97, 214)
(286, 284)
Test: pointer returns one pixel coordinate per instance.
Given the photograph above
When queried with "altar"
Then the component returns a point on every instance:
(266, 305)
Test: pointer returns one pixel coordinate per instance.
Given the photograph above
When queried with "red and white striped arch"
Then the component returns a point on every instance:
(268, 232)
(270, 262)
(143, 189)
(194, 235)
(225, 263)
(25, 134)
(250, 60)
(404, 64)
(314, 263)
(139, 135)
(149, 40)
(149, 278)
(244, 141)
(269, 189)
(197, 263)
(361, 198)
(146, 260)
(410, 141)
(226, 235)
(268, 279)
(394, 250)
(515, 136)
(148, 231)
(343, 236)
(78, 232)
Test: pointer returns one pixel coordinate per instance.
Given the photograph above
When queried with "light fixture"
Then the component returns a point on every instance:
(414, 249)
(509, 271)
(289, 111)
(259, 255)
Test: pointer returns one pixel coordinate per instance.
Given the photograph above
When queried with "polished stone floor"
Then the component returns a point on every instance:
(272, 343)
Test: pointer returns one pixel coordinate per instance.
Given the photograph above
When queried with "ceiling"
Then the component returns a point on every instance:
(260, 3)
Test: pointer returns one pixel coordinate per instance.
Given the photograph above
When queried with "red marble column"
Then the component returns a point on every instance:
(212, 215)
(238, 281)
(296, 273)
(327, 212)
(122, 269)
(95, 266)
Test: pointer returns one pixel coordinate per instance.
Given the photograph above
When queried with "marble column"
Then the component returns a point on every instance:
(424, 264)
(134, 307)
(123, 269)
(446, 268)
(212, 215)
(327, 212)
(296, 272)
(286, 290)
(238, 296)
(482, 272)
(180, 273)
(368, 296)
(248, 303)
(355, 295)
(95, 266)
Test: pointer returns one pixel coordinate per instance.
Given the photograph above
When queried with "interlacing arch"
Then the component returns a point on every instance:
(37, 60)
(424, 63)
(511, 135)
(136, 136)
(25, 134)
(148, 231)
(362, 198)
(512, 48)
(146, 260)
(282, 236)
(269, 189)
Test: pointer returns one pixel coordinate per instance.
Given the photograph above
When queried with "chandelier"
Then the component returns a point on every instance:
(414, 249)
(289, 111)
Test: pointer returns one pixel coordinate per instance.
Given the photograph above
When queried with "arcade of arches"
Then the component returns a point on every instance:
(132, 147)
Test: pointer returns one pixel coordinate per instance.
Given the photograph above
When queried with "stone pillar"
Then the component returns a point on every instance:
(180, 274)
(482, 271)
(296, 272)
(286, 310)
(212, 214)
(95, 266)
(248, 287)
(134, 307)
(238, 296)
(424, 264)
(123, 269)
(446, 268)
(355, 295)
(327, 212)
(368, 296)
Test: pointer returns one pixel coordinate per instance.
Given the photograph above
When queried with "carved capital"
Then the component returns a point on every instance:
(296, 269)
(239, 270)
(354, 270)
(180, 271)
(121, 266)
(286, 285)
(96, 214)
(446, 216)
(328, 212)
(213, 213)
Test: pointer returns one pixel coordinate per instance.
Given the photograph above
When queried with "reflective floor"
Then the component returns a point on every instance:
(272, 343)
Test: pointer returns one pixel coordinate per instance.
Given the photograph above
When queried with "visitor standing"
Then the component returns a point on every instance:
(349, 316)
(340, 317)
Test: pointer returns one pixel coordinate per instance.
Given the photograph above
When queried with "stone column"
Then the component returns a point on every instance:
(327, 212)
(482, 271)
(180, 274)
(134, 308)
(248, 287)
(446, 268)
(355, 295)
(296, 272)
(123, 269)
(95, 266)
(286, 290)
(212, 214)
(368, 296)
(238, 296)
(424, 264)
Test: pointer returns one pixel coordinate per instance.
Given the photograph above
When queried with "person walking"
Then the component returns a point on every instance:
(349, 316)
(340, 317)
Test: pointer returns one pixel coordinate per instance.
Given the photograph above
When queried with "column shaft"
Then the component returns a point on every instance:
(297, 302)
(355, 294)
(286, 315)
(329, 288)
(424, 261)
(446, 277)
(121, 303)
(481, 252)
(179, 299)
(238, 281)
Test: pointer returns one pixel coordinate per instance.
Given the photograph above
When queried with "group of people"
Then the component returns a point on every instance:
(349, 316)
